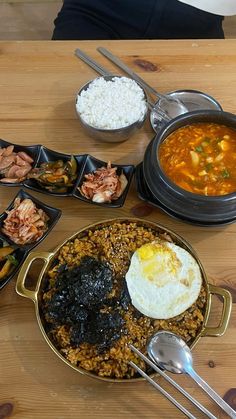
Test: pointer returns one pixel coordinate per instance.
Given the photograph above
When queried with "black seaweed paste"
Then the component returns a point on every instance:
(83, 300)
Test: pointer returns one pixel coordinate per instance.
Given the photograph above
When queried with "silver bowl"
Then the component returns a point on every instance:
(111, 135)
(194, 100)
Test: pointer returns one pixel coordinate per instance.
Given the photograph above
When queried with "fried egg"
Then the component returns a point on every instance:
(163, 280)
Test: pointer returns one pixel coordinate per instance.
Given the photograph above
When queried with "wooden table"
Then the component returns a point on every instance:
(38, 83)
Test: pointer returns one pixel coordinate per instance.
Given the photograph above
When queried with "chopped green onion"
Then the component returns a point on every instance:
(225, 174)
(199, 148)
(208, 167)
(13, 260)
(206, 139)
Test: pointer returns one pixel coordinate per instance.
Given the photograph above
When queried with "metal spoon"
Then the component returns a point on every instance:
(171, 353)
(171, 106)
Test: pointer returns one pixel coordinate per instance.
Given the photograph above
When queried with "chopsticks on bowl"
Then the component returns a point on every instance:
(101, 70)
(171, 381)
(114, 59)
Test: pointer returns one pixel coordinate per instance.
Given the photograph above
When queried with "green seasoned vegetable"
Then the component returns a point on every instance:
(206, 140)
(13, 260)
(5, 269)
(208, 167)
(199, 149)
(5, 251)
(7, 260)
(225, 174)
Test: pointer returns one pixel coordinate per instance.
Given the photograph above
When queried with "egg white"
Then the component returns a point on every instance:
(163, 280)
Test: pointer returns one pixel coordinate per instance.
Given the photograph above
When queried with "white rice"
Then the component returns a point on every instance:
(112, 104)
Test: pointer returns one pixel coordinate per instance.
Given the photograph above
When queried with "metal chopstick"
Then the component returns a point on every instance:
(100, 69)
(162, 391)
(115, 60)
(128, 70)
(92, 63)
(171, 381)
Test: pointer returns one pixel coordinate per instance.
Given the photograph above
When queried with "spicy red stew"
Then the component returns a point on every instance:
(201, 158)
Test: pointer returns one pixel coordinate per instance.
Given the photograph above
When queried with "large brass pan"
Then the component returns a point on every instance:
(49, 257)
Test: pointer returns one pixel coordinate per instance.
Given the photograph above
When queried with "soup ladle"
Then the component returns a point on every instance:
(171, 353)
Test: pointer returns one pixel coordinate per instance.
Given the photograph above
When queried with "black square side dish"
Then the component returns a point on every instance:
(91, 164)
(31, 150)
(18, 254)
(45, 156)
(53, 213)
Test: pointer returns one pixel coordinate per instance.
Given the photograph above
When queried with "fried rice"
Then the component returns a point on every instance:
(115, 243)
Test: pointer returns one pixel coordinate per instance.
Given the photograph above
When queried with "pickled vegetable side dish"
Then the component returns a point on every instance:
(57, 176)
(7, 260)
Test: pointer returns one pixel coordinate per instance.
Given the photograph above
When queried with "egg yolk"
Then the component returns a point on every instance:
(158, 262)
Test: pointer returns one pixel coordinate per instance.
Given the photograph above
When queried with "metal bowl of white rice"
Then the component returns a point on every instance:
(111, 108)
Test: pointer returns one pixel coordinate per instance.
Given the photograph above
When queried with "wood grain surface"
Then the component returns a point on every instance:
(38, 84)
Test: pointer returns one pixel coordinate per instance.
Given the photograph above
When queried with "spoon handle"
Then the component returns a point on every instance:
(214, 396)
(173, 382)
(162, 391)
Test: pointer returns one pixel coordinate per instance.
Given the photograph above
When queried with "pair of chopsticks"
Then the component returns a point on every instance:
(171, 381)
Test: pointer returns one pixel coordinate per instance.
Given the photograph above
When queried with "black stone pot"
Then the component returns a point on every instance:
(199, 209)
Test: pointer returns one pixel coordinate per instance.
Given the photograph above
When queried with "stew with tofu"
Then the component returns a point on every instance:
(201, 158)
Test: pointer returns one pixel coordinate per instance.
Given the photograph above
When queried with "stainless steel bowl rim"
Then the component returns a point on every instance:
(111, 130)
(197, 94)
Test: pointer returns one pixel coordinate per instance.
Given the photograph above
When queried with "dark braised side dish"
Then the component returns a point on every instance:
(86, 308)
(55, 176)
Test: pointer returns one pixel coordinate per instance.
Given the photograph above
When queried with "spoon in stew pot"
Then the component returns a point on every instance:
(171, 106)
(171, 353)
